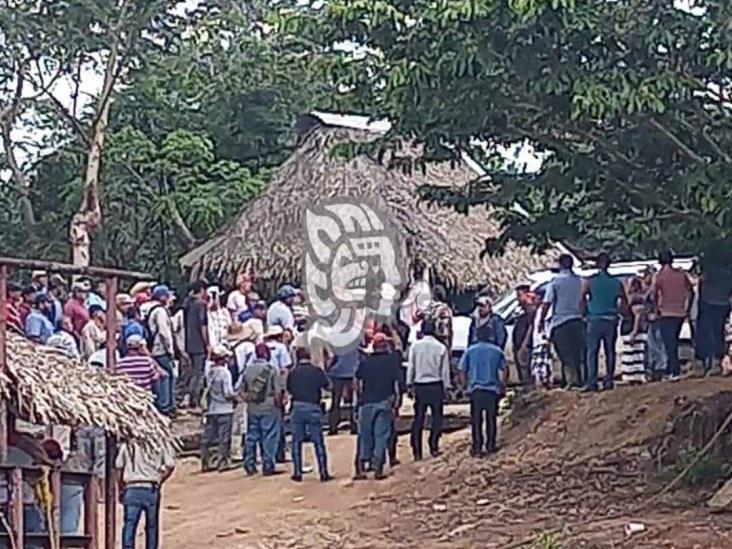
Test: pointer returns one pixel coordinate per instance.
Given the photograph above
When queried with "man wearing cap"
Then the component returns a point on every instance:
(483, 315)
(141, 472)
(94, 334)
(57, 290)
(195, 321)
(377, 384)
(253, 318)
(138, 365)
(220, 410)
(75, 307)
(98, 295)
(281, 358)
(280, 312)
(38, 327)
(39, 280)
(124, 303)
(162, 346)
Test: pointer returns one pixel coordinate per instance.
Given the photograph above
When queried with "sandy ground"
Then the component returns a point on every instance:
(229, 510)
(568, 469)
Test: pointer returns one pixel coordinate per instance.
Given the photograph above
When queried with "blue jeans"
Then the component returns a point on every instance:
(263, 431)
(307, 421)
(136, 501)
(375, 422)
(164, 399)
(605, 331)
(72, 501)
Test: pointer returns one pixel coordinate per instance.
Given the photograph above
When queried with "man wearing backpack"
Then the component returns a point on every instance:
(162, 346)
(263, 390)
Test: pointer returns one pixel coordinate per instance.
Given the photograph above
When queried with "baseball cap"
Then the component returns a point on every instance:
(125, 299)
(81, 286)
(161, 291)
(135, 341)
(286, 291)
(41, 298)
(37, 274)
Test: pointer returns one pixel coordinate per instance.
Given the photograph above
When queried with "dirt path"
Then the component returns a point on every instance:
(570, 466)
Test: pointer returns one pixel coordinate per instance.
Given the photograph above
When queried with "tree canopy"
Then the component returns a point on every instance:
(203, 110)
(626, 102)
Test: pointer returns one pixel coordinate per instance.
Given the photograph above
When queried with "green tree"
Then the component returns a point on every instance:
(627, 102)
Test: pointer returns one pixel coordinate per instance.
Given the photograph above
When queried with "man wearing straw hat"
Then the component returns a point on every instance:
(240, 341)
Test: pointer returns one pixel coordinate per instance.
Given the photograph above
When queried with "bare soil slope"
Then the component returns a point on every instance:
(575, 467)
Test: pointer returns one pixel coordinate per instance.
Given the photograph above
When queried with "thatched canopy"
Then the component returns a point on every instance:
(268, 237)
(47, 387)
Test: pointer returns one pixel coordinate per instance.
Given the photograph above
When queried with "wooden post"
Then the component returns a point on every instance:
(16, 505)
(110, 484)
(56, 508)
(91, 527)
(110, 499)
(3, 339)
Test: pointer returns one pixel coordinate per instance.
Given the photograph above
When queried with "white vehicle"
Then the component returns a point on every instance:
(508, 307)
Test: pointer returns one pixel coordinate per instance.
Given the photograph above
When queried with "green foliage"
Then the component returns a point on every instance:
(627, 102)
(707, 471)
(206, 110)
(547, 540)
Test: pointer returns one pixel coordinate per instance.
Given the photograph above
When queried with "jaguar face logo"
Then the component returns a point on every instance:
(353, 270)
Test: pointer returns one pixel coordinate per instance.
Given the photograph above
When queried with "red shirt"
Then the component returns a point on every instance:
(24, 312)
(76, 310)
(13, 318)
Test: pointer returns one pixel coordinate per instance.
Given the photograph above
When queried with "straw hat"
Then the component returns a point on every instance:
(274, 331)
(241, 332)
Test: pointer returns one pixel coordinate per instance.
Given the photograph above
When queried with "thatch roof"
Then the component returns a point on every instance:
(47, 387)
(268, 236)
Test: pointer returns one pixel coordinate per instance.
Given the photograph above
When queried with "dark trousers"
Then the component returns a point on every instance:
(670, 331)
(432, 396)
(483, 403)
(709, 336)
(569, 342)
(217, 428)
(601, 331)
(341, 388)
(135, 502)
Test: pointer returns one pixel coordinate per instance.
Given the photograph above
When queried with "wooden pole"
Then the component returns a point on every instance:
(110, 484)
(56, 508)
(91, 527)
(52, 266)
(110, 499)
(16, 505)
(3, 356)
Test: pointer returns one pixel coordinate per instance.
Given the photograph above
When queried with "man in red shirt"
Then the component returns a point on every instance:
(75, 307)
(25, 306)
(15, 299)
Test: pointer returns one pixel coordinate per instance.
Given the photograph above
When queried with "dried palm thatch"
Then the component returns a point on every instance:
(47, 387)
(268, 235)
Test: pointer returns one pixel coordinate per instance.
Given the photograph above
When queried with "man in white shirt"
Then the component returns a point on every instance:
(141, 473)
(280, 312)
(219, 318)
(428, 377)
(236, 303)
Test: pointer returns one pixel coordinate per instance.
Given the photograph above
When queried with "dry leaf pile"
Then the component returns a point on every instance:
(50, 388)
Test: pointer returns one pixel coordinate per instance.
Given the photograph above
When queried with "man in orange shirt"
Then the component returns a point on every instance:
(674, 295)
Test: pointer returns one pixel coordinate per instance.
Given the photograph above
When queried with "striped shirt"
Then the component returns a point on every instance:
(140, 368)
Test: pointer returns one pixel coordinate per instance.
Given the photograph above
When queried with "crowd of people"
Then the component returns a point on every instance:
(647, 311)
(250, 369)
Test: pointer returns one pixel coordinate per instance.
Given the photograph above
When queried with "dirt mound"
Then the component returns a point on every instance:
(576, 468)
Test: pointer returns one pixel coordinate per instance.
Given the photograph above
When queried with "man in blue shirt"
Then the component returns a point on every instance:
(563, 296)
(484, 374)
(38, 327)
(604, 294)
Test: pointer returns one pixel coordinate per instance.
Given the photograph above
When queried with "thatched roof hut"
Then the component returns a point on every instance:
(268, 237)
(44, 386)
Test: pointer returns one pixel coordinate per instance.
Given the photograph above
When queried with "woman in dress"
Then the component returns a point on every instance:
(634, 334)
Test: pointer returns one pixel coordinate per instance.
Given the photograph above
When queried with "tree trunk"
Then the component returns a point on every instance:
(88, 218)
